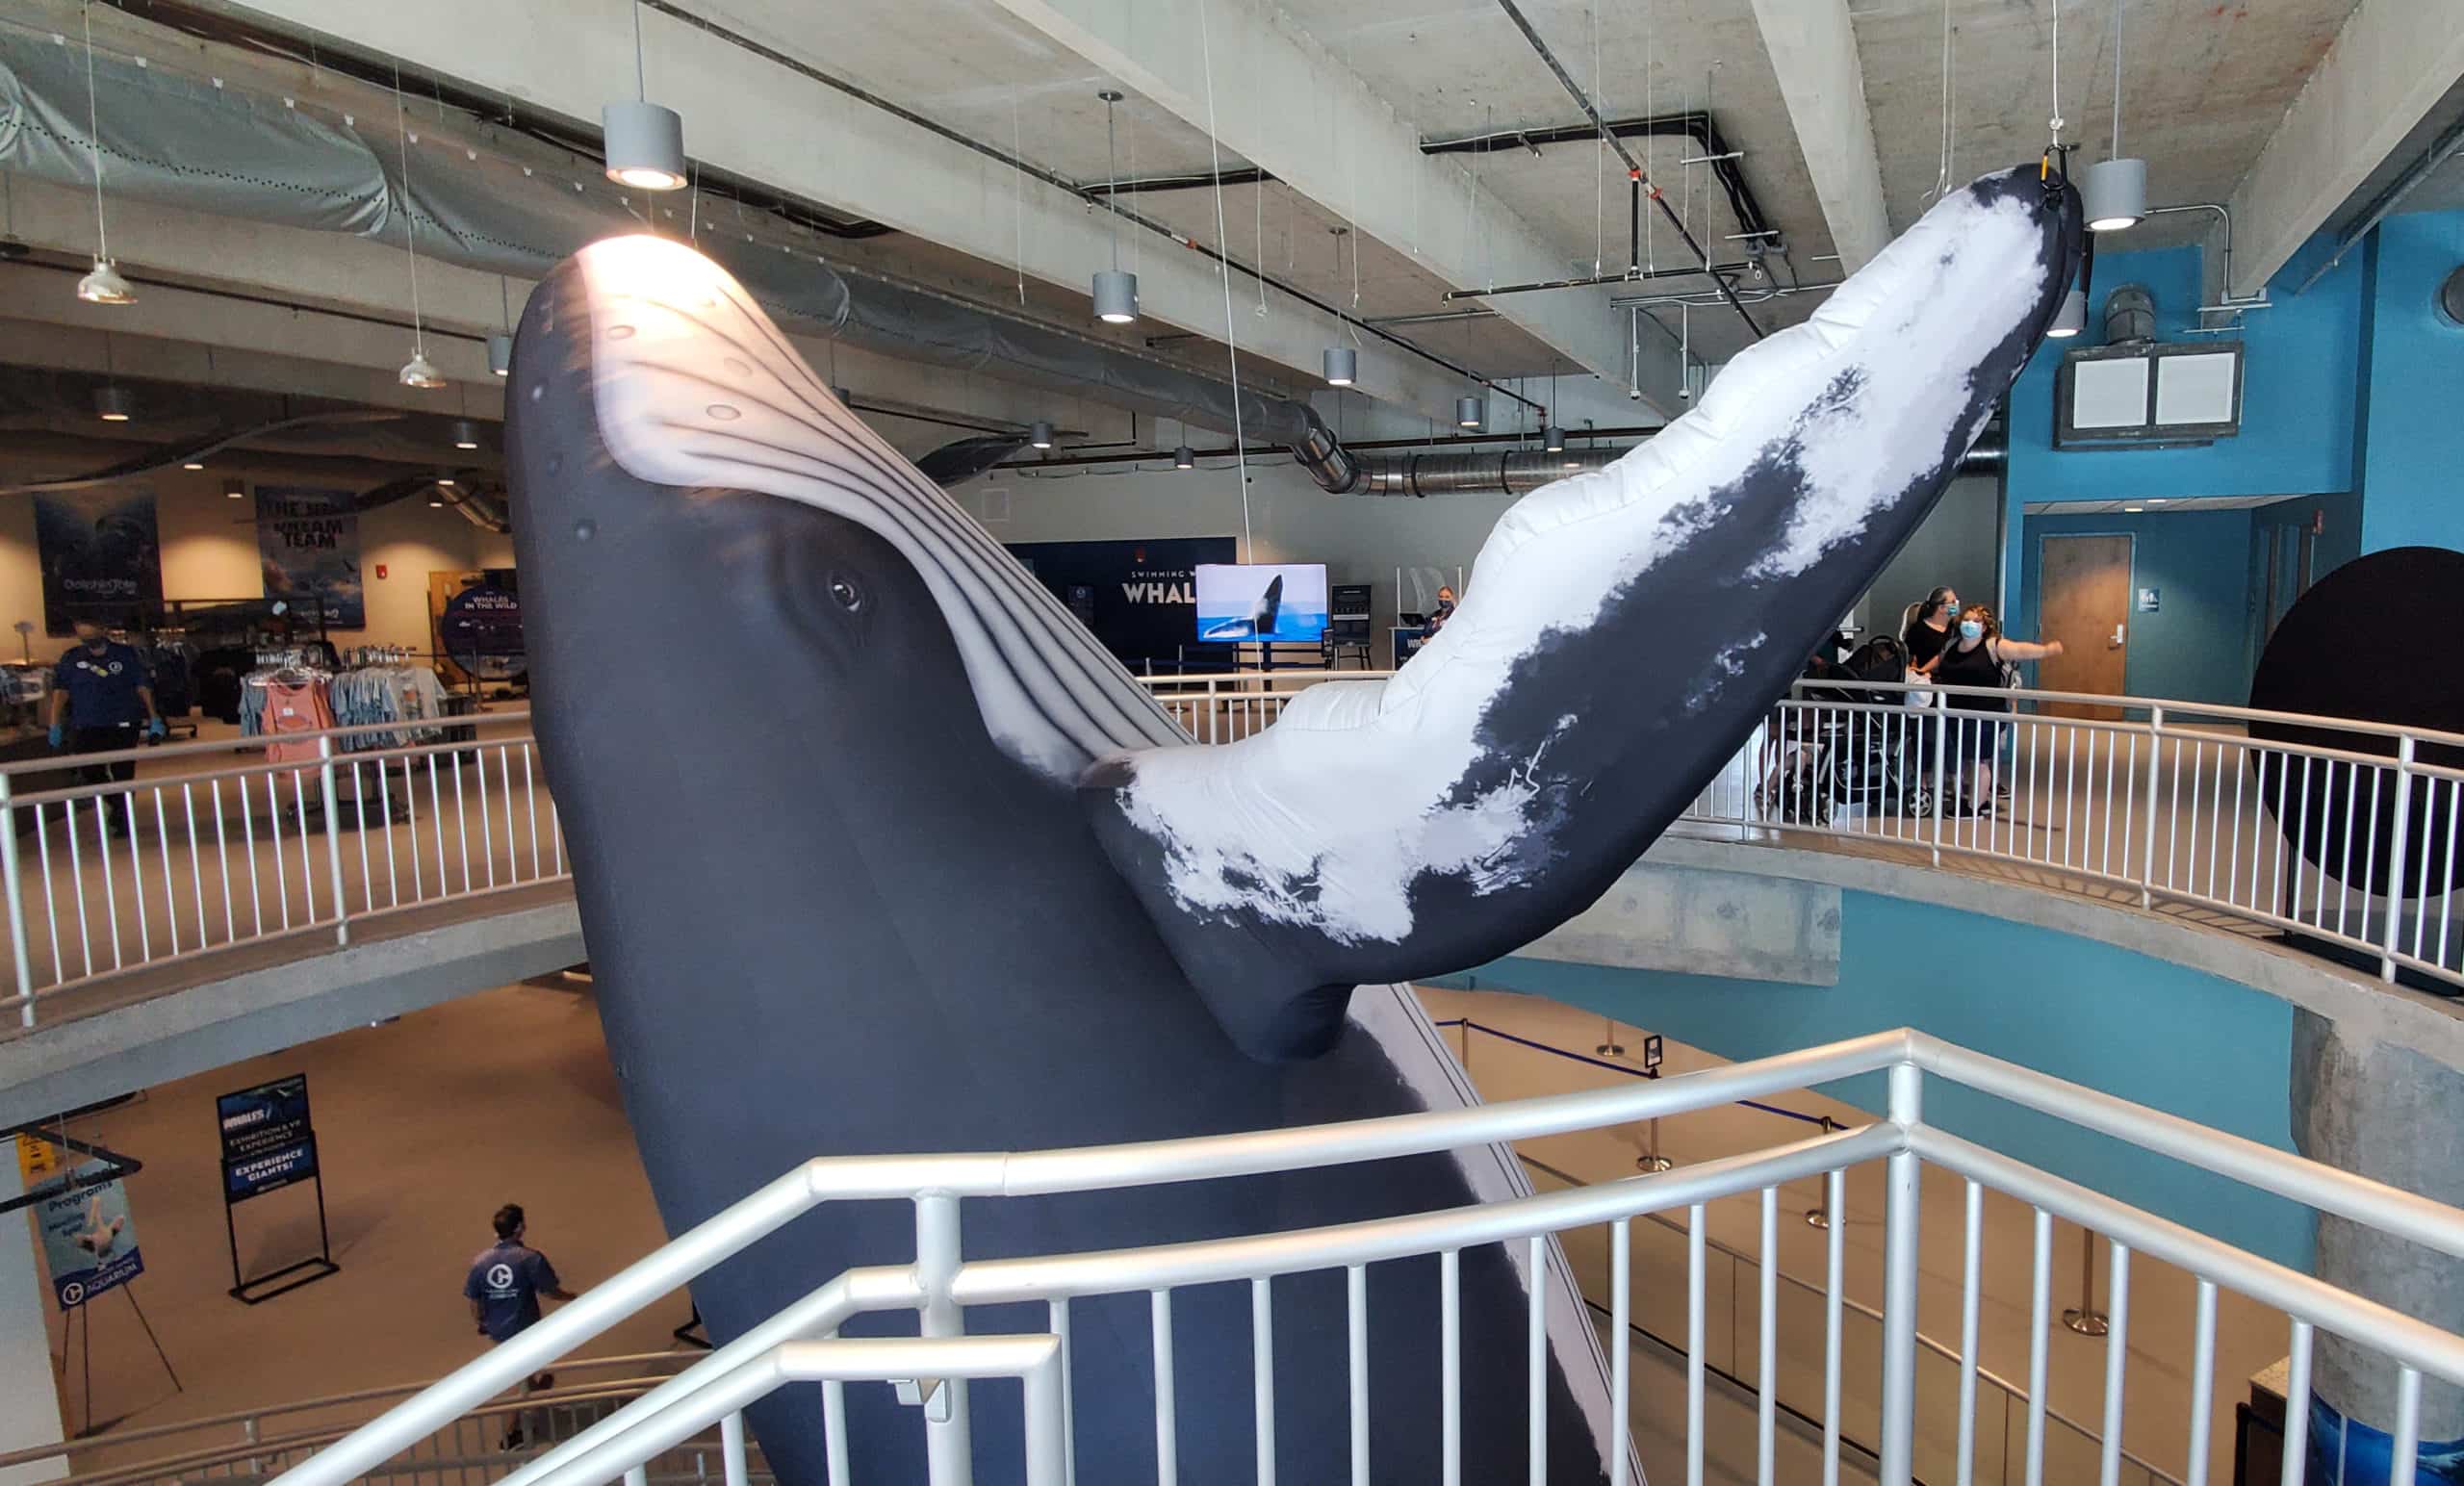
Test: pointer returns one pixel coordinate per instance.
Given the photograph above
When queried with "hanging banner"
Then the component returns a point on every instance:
(88, 1240)
(308, 545)
(101, 558)
(267, 1143)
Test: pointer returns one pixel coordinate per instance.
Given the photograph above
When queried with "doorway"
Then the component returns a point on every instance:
(2086, 605)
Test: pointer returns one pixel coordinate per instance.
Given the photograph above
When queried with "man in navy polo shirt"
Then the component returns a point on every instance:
(106, 693)
(507, 1283)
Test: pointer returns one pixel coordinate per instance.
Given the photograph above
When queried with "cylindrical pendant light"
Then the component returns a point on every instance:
(112, 405)
(1469, 413)
(645, 142)
(1553, 441)
(1342, 365)
(235, 488)
(1116, 297)
(2073, 318)
(1040, 434)
(2114, 195)
(500, 354)
(1115, 288)
(466, 433)
(1183, 459)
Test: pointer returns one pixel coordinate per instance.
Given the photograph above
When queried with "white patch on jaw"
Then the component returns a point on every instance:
(1326, 819)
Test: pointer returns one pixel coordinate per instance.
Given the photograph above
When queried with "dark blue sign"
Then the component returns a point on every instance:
(267, 1143)
(271, 1171)
(1139, 598)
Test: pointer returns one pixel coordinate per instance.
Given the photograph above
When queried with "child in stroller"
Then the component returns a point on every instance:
(1840, 746)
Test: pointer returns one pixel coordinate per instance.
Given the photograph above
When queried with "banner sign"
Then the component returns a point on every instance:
(1139, 598)
(308, 542)
(101, 558)
(89, 1241)
(268, 1144)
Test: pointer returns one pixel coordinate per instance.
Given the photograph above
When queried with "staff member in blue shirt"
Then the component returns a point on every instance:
(507, 1283)
(103, 688)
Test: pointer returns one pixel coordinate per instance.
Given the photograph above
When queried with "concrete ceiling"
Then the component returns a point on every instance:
(2156, 507)
(2205, 85)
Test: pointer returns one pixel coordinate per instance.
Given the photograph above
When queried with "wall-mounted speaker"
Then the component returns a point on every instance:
(2451, 297)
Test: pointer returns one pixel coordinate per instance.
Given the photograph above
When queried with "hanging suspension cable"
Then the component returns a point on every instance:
(1231, 335)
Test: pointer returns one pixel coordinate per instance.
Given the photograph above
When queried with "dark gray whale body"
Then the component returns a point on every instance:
(826, 916)
(815, 740)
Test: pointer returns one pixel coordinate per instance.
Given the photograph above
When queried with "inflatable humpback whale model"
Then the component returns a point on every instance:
(878, 850)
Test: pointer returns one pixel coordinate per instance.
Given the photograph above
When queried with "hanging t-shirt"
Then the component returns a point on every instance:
(296, 706)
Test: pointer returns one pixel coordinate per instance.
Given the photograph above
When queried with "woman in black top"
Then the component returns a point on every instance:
(1931, 630)
(1973, 656)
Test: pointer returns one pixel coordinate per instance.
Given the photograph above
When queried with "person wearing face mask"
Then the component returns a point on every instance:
(1973, 657)
(101, 694)
(1931, 630)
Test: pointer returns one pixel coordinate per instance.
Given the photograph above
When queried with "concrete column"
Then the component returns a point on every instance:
(29, 1392)
(2394, 1116)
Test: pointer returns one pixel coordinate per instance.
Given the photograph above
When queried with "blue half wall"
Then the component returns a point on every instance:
(2195, 1044)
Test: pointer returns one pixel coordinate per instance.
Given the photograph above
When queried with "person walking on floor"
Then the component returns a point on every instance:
(102, 693)
(507, 1281)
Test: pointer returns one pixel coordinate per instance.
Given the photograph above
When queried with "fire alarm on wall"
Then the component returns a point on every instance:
(380, 569)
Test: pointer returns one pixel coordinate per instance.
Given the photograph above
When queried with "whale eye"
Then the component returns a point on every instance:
(850, 597)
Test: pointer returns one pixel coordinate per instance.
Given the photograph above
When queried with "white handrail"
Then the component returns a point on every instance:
(742, 1370)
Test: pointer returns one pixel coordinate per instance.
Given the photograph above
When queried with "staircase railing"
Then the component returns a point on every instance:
(799, 1340)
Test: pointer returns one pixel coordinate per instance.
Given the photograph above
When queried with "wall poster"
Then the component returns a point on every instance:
(1139, 597)
(101, 558)
(308, 544)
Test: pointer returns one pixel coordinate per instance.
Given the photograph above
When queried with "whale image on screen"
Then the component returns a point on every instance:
(1260, 601)
(969, 888)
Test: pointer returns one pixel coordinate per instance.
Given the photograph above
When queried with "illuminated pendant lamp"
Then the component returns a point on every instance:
(1342, 365)
(2115, 193)
(500, 346)
(1469, 413)
(419, 371)
(112, 403)
(103, 284)
(1183, 459)
(1115, 291)
(1040, 434)
(645, 142)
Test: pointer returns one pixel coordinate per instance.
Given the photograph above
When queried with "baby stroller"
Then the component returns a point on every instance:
(1833, 760)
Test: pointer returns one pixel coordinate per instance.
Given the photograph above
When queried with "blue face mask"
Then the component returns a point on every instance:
(1971, 629)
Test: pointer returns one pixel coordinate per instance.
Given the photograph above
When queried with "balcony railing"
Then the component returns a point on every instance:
(800, 1342)
(2347, 836)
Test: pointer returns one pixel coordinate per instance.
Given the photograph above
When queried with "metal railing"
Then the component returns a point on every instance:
(2328, 836)
(214, 845)
(477, 1447)
(2349, 837)
(800, 1341)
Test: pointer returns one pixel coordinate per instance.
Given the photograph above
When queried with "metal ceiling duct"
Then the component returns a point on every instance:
(229, 152)
(2130, 316)
(1519, 472)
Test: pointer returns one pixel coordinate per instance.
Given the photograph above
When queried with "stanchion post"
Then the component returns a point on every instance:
(2147, 844)
(2086, 1318)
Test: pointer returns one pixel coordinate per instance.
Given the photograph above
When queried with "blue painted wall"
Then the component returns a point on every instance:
(2195, 647)
(2411, 466)
(2195, 1044)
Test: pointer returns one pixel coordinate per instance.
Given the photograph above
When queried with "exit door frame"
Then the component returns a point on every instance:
(2130, 600)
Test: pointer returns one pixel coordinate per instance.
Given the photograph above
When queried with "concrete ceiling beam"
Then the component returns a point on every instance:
(1812, 46)
(1283, 102)
(765, 120)
(2390, 66)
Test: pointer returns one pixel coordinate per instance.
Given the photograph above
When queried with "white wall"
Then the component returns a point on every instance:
(1958, 545)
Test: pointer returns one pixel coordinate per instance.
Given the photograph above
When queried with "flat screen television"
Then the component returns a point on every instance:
(1255, 601)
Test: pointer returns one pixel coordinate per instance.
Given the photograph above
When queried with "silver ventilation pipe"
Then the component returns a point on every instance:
(1519, 472)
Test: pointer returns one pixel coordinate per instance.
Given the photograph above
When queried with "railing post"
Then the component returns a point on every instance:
(2397, 842)
(948, 1453)
(1899, 1284)
(1942, 756)
(2147, 843)
(333, 837)
(10, 884)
